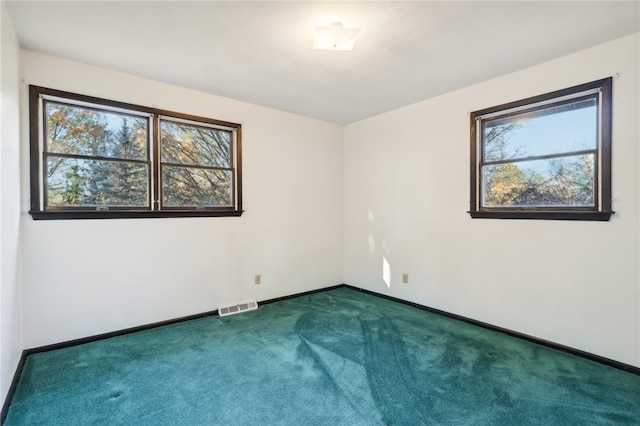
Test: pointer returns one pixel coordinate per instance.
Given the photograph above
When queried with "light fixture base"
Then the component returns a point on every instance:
(335, 37)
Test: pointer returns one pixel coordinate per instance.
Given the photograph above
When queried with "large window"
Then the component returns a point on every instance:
(93, 158)
(547, 157)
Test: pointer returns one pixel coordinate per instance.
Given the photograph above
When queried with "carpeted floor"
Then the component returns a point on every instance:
(339, 357)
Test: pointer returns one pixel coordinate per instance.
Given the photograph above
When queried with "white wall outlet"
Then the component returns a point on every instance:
(405, 278)
(258, 279)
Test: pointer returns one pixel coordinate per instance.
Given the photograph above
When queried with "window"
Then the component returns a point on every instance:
(94, 158)
(546, 157)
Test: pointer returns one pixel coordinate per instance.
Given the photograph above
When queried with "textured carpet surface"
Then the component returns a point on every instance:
(339, 357)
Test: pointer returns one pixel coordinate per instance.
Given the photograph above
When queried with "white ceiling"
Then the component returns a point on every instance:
(260, 52)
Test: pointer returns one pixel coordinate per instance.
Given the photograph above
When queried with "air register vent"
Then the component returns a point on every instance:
(223, 311)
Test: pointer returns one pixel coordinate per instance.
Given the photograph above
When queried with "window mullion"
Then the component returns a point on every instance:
(197, 166)
(539, 157)
(91, 157)
(156, 164)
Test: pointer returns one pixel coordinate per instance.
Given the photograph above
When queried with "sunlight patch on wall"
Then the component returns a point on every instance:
(386, 272)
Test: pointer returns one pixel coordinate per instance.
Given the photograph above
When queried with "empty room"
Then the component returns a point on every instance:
(320, 213)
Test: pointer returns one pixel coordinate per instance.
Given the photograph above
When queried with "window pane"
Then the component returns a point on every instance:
(184, 186)
(564, 181)
(557, 129)
(195, 145)
(79, 182)
(82, 131)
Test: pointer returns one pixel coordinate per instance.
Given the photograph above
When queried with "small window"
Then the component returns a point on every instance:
(94, 158)
(547, 157)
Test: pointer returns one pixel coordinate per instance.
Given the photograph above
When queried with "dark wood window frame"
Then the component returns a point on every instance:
(39, 209)
(602, 210)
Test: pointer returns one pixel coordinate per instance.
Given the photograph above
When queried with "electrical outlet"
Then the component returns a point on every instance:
(258, 279)
(405, 278)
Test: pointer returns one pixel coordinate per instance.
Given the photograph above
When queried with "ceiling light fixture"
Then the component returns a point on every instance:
(335, 37)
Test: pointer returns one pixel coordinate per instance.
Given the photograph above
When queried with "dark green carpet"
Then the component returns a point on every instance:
(339, 357)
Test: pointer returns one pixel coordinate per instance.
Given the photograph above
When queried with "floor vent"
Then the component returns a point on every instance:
(236, 309)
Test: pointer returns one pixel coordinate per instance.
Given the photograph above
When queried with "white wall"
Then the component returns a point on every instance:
(407, 194)
(87, 277)
(11, 342)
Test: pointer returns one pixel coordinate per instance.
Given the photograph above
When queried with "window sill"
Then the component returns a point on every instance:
(128, 214)
(542, 215)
